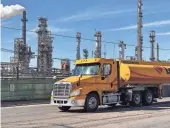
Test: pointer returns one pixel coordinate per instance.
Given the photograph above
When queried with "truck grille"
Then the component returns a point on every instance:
(62, 90)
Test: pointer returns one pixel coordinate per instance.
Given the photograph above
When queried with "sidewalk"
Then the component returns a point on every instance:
(23, 103)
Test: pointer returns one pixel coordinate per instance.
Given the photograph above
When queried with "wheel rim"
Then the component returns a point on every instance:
(137, 98)
(149, 97)
(92, 102)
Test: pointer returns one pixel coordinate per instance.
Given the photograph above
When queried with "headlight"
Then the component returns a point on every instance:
(75, 93)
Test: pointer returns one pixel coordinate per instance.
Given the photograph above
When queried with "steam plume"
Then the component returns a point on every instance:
(10, 11)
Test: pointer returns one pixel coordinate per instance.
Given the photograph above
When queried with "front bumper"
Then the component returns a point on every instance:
(67, 102)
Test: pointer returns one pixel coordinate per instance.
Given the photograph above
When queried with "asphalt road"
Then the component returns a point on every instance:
(47, 116)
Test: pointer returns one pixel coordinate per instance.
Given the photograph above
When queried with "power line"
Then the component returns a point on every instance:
(12, 51)
(73, 37)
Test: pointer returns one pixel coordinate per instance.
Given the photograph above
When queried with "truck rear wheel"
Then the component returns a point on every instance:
(92, 102)
(136, 99)
(148, 97)
(64, 108)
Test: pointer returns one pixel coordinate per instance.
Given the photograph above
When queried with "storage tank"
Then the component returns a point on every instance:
(145, 73)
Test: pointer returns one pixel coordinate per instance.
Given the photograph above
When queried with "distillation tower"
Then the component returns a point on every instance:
(152, 41)
(98, 36)
(78, 36)
(45, 40)
(139, 32)
(122, 48)
(22, 52)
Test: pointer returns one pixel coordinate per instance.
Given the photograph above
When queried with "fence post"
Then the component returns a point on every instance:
(17, 72)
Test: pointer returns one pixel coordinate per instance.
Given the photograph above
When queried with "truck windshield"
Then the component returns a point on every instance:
(86, 69)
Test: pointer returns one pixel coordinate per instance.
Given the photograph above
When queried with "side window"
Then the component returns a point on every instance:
(106, 69)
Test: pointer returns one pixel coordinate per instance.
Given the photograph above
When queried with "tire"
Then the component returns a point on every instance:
(148, 97)
(136, 99)
(124, 103)
(64, 108)
(92, 102)
(112, 105)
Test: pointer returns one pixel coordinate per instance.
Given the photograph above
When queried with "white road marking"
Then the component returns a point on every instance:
(24, 106)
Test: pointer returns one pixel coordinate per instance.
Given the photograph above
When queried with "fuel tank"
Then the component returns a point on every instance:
(144, 73)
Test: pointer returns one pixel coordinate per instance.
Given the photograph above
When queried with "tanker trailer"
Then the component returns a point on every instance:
(141, 82)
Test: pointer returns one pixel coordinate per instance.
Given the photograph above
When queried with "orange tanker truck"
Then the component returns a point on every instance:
(99, 81)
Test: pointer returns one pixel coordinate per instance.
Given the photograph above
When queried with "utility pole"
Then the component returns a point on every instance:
(152, 41)
(139, 32)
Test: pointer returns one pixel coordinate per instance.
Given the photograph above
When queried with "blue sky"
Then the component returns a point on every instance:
(116, 19)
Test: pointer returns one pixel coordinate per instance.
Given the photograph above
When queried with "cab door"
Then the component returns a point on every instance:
(107, 76)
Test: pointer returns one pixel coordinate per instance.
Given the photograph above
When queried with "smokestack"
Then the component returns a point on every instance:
(157, 49)
(139, 31)
(10, 11)
(152, 41)
(78, 36)
(24, 20)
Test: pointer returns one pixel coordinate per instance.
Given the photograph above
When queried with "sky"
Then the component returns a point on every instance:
(116, 19)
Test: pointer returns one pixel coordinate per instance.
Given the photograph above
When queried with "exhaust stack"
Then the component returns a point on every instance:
(24, 20)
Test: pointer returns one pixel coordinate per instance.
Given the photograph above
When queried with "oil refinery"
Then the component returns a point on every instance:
(92, 79)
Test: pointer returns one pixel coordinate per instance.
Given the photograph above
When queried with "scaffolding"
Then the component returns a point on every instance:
(22, 54)
(45, 40)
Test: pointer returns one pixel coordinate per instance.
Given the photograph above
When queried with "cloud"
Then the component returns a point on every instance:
(92, 14)
(10, 11)
(163, 34)
(124, 28)
(151, 24)
(54, 30)
(58, 30)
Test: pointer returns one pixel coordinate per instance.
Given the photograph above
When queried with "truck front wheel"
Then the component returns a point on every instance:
(92, 102)
(64, 108)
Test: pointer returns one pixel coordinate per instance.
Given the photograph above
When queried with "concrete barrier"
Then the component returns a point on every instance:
(26, 89)
(35, 89)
